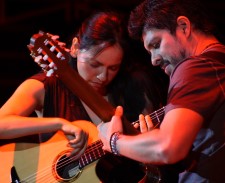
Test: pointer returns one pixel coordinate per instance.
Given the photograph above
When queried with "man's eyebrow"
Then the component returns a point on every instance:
(152, 41)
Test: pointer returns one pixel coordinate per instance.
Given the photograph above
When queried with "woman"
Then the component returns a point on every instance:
(98, 53)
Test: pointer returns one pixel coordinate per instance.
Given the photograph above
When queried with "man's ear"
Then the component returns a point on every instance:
(184, 25)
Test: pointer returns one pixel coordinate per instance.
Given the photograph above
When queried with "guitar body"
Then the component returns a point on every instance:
(37, 162)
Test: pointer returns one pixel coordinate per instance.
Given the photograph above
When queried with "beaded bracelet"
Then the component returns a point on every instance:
(114, 137)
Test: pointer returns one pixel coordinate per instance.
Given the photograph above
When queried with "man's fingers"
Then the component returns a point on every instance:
(149, 122)
(119, 111)
(143, 125)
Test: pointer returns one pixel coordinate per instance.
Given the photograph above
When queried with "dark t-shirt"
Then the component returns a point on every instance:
(198, 83)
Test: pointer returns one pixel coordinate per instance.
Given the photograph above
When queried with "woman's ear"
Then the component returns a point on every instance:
(184, 25)
(74, 48)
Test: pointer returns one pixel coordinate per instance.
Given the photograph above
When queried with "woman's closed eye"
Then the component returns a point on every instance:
(94, 64)
(114, 68)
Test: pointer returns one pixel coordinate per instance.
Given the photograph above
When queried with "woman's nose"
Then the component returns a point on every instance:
(102, 76)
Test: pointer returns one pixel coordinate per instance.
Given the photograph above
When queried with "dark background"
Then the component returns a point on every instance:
(20, 19)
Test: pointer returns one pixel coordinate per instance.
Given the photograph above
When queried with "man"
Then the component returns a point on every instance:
(180, 40)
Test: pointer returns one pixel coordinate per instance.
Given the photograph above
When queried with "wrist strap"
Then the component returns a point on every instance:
(114, 137)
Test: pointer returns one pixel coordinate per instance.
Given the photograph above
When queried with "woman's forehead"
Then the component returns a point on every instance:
(96, 50)
(111, 55)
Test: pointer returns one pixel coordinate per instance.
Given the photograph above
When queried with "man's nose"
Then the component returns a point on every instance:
(156, 60)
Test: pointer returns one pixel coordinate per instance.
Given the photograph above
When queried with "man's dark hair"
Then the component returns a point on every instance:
(163, 14)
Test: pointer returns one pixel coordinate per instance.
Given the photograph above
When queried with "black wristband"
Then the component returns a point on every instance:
(114, 137)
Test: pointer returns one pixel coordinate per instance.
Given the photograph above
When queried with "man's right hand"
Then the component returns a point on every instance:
(145, 123)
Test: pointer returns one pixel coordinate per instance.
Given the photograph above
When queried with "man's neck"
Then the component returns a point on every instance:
(203, 42)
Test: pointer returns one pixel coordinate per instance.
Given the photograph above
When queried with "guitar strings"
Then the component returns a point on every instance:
(160, 112)
(87, 154)
(65, 161)
(44, 173)
(92, 153)
(155, 115)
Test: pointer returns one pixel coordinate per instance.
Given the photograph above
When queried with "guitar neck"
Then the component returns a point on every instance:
(95, 151)
(156, 117)
(92, 153)
(93, 99)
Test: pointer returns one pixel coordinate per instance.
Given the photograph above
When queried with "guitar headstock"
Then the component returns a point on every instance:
(48, 52)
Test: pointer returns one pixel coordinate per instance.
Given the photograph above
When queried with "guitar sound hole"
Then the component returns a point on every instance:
(66, 168)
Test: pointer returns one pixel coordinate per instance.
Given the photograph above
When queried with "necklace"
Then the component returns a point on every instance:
(209, 45)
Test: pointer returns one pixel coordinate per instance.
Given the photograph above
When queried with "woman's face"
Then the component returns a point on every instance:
(99, 70)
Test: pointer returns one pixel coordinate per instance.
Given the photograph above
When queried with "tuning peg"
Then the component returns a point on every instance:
(53, 37)
(38, 59)
(61, 43)
(50, 72)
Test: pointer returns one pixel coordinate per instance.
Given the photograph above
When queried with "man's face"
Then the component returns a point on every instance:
(166, 50)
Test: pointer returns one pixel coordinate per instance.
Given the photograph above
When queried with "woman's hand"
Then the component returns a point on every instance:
(77, 139)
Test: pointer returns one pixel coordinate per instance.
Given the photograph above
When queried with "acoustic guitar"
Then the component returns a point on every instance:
(47, 161)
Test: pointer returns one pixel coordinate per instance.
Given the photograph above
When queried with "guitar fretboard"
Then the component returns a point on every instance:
(156, 117)
(94, 151)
